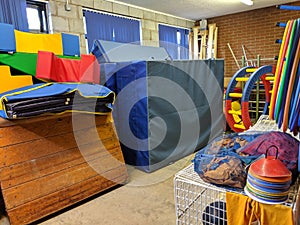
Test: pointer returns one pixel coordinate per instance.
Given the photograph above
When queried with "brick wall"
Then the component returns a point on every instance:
(255, 30)
(72, 21)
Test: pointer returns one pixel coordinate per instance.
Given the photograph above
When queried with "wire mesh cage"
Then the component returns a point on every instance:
(200, 203)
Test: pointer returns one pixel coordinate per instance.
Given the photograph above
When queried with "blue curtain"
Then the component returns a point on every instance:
(169, 40)
(184, 43)
(127, 30)
(111, 28)
(14, 12)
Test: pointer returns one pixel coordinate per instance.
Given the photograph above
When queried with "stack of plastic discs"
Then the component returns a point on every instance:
(268, 180)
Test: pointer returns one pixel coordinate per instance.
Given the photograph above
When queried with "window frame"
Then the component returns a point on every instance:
(42, 7)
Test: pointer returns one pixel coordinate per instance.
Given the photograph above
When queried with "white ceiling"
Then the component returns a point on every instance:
(200, 9)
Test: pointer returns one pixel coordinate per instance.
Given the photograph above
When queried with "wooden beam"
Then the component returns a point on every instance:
(211, 32)
(196, 46)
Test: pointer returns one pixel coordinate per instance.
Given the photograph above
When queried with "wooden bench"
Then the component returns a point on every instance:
(49, 163)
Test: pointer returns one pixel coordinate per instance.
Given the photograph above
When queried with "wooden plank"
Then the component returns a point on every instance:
(24, 172)
(45, 185)
(202, 47)
(202, 54)
(7, 123)
(55, 160)
(211, 31)
(75, 115)
(20, 134)
(215, 48)
(83, 121)
(48, 204)
(191, 45)
(44, 146)
(196, 47)
(46, 128)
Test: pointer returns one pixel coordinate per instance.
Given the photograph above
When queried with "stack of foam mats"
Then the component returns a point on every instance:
(55, 98)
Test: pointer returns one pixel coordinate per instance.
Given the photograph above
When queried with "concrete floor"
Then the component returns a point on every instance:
(147, 199)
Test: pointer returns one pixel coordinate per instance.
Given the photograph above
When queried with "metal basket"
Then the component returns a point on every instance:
(201, 203)
(198, 202)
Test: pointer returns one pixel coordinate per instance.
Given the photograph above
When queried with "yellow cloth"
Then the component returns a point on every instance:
(32, 43)
(9, 82)
(242, 210)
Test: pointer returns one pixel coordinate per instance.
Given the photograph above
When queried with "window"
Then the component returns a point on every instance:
(37, 16)
(175, 40)
(110, 27)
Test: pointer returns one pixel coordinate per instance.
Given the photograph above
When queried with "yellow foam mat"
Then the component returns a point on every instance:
(32, 43)
(9, 82)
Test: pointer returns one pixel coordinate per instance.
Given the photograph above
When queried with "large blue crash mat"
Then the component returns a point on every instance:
(165, 110)
(53, 98)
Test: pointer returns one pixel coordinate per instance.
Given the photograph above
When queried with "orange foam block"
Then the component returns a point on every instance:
(9, 82)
